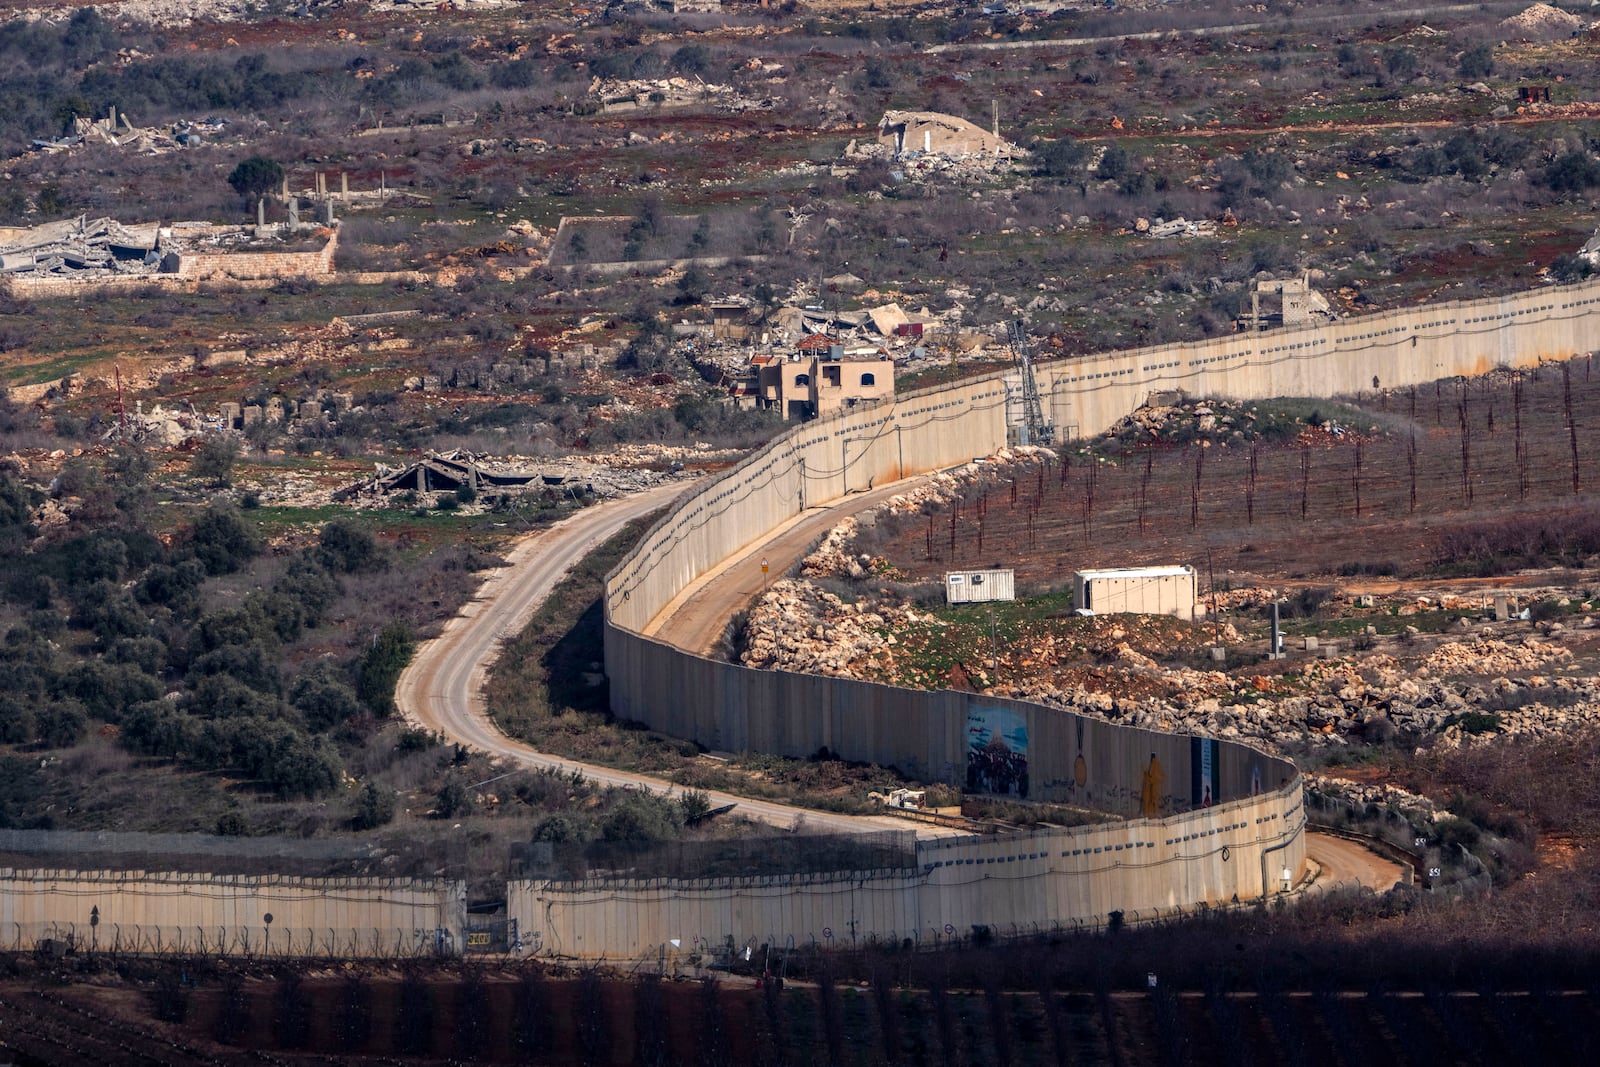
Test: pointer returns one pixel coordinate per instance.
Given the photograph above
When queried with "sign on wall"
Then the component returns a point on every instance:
(997, 751)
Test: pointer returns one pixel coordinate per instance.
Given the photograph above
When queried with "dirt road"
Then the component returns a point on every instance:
(695, 619)
(442, 689)
(1347, 864)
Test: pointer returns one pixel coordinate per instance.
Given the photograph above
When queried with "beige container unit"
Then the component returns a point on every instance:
(1137, 591)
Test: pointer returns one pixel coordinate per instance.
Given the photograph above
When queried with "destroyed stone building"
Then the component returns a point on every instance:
(1282, 302)
(929, 131)
(818, 378)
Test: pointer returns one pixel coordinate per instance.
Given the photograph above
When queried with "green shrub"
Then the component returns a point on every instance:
(374, 807)
(380, 666)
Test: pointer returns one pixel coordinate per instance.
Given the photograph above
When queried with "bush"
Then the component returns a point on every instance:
(222, 541)
(642, 818)
(1570, 267)
(374, 807)
(1574, 172)
(324, 699)
(255, 177)
(452, 799)
(1546, 611)
(380, 666)
(1475, 722)
(345, 548)
(1476, 62)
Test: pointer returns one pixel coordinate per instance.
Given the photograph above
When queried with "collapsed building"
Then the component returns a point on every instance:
(459, 470)
(35, 261)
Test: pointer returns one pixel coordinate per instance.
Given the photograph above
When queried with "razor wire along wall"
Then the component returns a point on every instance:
(1231, 817)
(201, 914)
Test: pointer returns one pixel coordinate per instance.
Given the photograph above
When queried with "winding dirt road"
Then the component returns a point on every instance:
(442, 689)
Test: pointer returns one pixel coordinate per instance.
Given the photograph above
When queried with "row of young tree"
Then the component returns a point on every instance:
(120, 626)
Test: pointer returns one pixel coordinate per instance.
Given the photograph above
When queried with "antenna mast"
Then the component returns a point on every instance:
(1035, 430)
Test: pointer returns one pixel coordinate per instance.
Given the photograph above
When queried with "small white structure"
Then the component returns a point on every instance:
(973, 587)
(1139, 591)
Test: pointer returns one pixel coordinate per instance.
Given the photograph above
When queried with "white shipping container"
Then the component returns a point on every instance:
(973, 587)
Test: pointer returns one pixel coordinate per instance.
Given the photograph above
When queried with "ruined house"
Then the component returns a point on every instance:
(929, 131)
(730, 320)
(1282, 302)
(457, 469)
(817, 378)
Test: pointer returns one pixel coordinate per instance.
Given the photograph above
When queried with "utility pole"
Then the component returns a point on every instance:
(994, 648)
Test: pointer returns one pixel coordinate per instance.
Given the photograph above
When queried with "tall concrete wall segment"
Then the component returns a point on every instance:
(146, 912)
(1388, 350)
(1016, 884)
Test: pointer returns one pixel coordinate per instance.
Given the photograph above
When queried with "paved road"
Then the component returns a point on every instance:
(1347, 864)
(442, 689)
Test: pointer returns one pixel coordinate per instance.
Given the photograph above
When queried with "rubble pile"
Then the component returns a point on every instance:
(918, 166)
(1164, 230)
(660, 92)
(799, 627)
(101, 246)
(1241, 599)
(1384, 795)
(1487, 655)
(831, 558)
(1541, 22)
(158, 427)
(458, 469)
(85, 248)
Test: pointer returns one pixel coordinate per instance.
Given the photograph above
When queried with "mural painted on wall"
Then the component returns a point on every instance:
(997, 751)
(1080, 766)
(1151, 788)
(1203, 771)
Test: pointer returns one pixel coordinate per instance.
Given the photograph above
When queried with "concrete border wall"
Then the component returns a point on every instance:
(1013, 885)
(149, 912)
(1393, 349)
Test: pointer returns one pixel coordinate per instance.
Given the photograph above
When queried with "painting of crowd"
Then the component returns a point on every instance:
(997, 752)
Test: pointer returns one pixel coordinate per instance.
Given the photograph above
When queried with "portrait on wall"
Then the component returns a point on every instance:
(997, 751)
(1203, 771)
